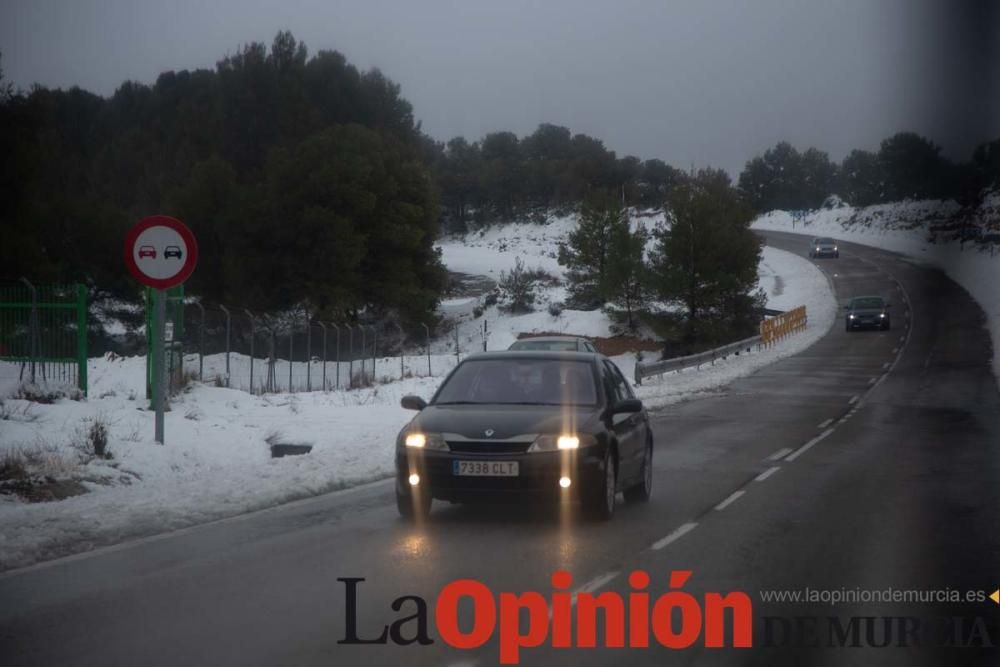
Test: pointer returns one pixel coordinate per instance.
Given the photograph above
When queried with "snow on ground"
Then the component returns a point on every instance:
(216, 461)
(907, 228)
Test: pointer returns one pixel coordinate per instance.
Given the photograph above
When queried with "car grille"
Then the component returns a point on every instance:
(488, 447)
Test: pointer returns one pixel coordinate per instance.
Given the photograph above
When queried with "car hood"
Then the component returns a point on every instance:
(506, 421)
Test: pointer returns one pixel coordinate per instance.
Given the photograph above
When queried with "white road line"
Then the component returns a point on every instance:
(736, 495)
(854, 399)
(809, 445)
(780, 454)
(873, 380)
(895, 350)
(594, 584)
(902, 338)
(767, 473)
(885, 365)
(674, 536)
(823, 425)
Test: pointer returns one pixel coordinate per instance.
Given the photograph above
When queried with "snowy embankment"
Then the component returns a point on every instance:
(908, 228)
(216, 462)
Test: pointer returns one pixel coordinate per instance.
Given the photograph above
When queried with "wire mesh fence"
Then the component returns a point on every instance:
(265, 354)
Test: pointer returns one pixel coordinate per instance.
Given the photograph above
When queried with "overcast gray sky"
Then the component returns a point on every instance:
(710, 82)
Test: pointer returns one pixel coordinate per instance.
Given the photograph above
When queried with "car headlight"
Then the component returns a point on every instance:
(835, 248)
(817, 248)
(851, 316)
(565, 441)
(881, 314)
(419, 440)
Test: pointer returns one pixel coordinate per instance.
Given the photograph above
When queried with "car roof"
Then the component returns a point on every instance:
(870, 296)
(507, 355)
(545, 339)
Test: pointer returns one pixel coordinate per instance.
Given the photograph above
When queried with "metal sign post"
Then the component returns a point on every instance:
(161, 252)
(159, 377)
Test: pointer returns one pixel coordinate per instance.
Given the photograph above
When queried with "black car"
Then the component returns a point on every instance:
(172, 251)
(867, 312)
(525, 425)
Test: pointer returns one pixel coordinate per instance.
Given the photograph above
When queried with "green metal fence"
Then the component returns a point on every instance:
(43, 334)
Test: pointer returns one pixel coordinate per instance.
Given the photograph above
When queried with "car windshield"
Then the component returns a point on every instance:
(867, 302)
(520, 382)
(825, 241)
(557, 345)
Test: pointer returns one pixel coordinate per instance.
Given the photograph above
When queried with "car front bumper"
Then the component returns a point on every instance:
(538, 474)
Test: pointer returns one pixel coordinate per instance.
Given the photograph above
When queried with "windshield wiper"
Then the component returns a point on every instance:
(458, 403)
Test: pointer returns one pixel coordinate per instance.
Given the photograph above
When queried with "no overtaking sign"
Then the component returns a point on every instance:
(161, 252)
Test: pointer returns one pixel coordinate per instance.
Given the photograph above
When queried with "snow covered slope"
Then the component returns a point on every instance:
(216, 462)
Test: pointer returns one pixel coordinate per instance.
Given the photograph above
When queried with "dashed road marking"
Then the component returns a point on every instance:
(854, 399)
(895, 350)
(780, 454)
(902, 338)
(674, 536)
(873, 380)
(885, 365)
(809, 445)
(824, 424)
(767, 473)
(733, 497)
(594, 584)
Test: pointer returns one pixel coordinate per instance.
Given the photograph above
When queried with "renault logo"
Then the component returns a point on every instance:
(489, 432)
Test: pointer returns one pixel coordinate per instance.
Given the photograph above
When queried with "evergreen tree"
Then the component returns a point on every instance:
(707, 258)
(626, 269)
(587, 253)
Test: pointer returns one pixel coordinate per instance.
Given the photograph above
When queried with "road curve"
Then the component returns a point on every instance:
(870, 460)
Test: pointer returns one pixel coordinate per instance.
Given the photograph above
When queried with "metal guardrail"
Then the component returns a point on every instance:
(772, 330)
(644, 370)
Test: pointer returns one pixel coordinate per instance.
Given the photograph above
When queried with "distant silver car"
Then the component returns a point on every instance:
(554, 344)
(823, 247)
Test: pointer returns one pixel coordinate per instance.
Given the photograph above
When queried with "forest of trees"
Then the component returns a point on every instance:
(308, 181)
(906, 166)
(304, 180)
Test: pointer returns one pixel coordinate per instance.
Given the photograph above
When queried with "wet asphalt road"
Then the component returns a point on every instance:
(899, 491)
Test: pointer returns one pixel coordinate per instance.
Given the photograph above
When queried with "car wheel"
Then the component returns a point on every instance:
(641, 492)
(411, 509)
(601, 503)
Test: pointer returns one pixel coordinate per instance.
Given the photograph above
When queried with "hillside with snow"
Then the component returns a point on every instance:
(217, 461)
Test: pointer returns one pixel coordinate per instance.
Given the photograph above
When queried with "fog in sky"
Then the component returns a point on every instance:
(702, 82)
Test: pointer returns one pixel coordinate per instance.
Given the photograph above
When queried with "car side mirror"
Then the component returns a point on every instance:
(628, 405)
(411, 402)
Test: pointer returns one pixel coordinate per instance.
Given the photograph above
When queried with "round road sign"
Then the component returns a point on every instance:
(160, 251)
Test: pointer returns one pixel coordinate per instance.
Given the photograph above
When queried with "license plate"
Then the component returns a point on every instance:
(485, 468)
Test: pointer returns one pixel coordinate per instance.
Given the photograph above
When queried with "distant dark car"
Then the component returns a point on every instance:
(147, 251)
(823, 247)
(521, 425)
(172, 251)
(867, 312)
(554, 343)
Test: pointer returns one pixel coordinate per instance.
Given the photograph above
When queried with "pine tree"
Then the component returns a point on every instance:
(626, 269)
(586, 255)
(707, 259)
